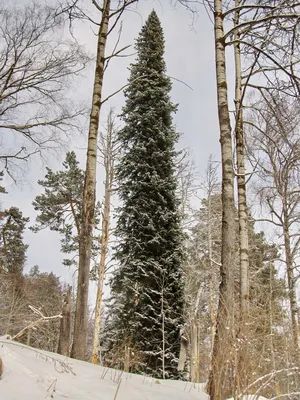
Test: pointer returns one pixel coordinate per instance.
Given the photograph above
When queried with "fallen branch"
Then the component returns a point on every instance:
(42, 318)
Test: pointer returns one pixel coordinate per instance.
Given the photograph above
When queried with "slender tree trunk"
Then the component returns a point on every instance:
(220, 385)
(212, 287)
(65, 325)
(28, 337)
(242, 359)
(127, 358)
(291, 283)
(102, 264)
(241, 179)
(163, 335)
(195, 361)
(85, 239)
(183, 352)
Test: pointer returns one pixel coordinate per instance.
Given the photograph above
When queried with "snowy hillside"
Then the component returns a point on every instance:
(30, 374)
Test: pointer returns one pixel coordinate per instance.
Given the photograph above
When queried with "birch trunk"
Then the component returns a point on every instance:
(241, 179)
(241, 357)
(220, 385)
(85, 239)
(65, 325)
(102, 264)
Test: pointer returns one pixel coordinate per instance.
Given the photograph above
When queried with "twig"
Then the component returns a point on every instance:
(66, 367)
(34, 323)
(119, 384)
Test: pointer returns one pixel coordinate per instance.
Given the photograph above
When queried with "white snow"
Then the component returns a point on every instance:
(31, 374)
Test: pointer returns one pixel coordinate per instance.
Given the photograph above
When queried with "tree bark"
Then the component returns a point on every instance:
(183, 352)
(220, 385)
(195, 362)
(85, 239)
(241, 179)
(291, 282)
(65, 325)
(241, 357)
(109, 173)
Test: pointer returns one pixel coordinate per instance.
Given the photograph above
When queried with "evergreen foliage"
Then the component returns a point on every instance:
(147, 290)
(60, 206)
(12, 247)
(2, 189)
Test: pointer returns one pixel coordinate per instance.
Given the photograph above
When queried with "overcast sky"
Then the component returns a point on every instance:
(190, 58)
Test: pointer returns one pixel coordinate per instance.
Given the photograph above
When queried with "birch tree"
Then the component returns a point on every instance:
(110, 13)
(274, 146)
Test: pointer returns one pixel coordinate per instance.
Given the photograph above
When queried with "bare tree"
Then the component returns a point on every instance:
(108, 149)
(37, 66)
(274, 146)
(202, 276)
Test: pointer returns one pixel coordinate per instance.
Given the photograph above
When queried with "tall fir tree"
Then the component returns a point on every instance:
(147, 289)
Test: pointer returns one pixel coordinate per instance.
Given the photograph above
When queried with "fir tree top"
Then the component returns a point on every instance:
(150, 44)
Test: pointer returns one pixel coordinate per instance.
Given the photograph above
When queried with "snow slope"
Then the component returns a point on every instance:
(30, 374)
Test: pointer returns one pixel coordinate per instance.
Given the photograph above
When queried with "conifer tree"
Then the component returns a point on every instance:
(147, 288)
(12, 247)
(60, 206)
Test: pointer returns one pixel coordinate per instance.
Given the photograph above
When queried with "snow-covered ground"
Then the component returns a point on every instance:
(35, 375)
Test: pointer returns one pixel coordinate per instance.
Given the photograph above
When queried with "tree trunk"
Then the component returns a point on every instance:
(220, 380)
(65, 325)
(212, 286)
(242, 359)
(102, 264)
(183, 352)
(127, 358)
(85, 239)
(241, 179)
(195, 362)
(291, 282)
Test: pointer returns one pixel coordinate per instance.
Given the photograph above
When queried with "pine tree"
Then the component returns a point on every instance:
(60, 206)
(147, 288)
(12, 247)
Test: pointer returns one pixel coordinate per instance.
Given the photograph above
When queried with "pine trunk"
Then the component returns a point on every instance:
(220, 380)
(65, 325)
(85, 239)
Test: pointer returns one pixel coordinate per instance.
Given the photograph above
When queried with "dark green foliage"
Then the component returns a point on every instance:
(60, 206)
(2, 189)
(147, 292)
(12, 247)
